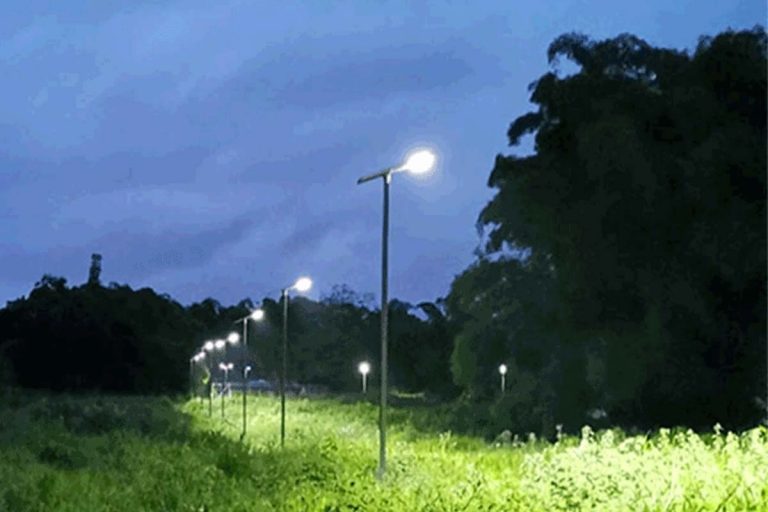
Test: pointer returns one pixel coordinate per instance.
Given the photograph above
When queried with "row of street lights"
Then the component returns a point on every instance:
(419, 161)
(301, 285)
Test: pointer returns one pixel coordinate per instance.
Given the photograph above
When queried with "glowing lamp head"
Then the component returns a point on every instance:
(364, 367)
(420, 161)
(257, 315)
(219, 344)
(247, 368)
(233, 337)
(503, 369)
(303, 284)
(209, 345)
(222, 366)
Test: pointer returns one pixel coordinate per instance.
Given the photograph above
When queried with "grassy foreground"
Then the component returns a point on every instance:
(118, 453)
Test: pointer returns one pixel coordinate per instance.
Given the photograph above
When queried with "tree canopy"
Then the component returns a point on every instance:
(646, 196)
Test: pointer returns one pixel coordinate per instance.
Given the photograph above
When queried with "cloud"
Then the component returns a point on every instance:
(371, 76)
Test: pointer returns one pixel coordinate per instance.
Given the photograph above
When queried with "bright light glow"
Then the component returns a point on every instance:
(503, 369)
(208, 346)
(233, 337)
(247, 368)
(222, 366)
(230, 366)
(257, 314)
(220, 344)
(303, 284)
(420, 161)
(364, 367)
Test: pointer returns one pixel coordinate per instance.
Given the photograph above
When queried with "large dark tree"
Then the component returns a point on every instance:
(647, 192)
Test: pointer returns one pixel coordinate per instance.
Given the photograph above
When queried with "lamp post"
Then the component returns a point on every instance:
(364, 368)
(220, 345)
(418, 162)
(209, 346)
(503, 373)
(225, 367)
(256, 315)
(197, 358)
(302, 285)
(192, 360)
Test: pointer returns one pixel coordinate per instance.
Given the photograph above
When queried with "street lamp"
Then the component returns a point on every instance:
(417, 162)
(256, 315)
(219, 345)
(209, 346)
(364, 368)
(192, 360)
(503, 373)
(302, 284)
(225, 367)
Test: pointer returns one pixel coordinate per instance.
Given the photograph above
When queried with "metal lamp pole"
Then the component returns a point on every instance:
(418, 162)
(302, 284)
(245, 375)
(386, 176)
(191, 379)
(284, 367)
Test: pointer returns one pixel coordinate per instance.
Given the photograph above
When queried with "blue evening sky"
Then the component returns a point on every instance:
(212, 148)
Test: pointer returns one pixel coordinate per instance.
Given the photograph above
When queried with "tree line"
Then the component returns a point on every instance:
(621, 272)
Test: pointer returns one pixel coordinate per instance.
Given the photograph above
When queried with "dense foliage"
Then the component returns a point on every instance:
(113, 338)
(624, 269)
(73, 454)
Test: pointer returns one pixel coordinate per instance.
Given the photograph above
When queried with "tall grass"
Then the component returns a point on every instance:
(121, 453)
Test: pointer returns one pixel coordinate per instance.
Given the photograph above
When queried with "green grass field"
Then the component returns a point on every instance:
(133, 454)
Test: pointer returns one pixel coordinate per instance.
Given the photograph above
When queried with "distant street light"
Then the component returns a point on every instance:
(225, 367)
(209, 346)
(503, 373)
(256, 315)
(233, 338)
(219, 345)
(192, 360)
(364, 368)
(301, 285)
(417, 162)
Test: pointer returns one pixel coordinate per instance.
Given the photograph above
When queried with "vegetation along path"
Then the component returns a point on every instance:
(144, 453)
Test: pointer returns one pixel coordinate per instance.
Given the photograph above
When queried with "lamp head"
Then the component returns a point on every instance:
(257, 315)
(219, 344)
(419, 161)
(503, 369)
(233, 337)
(209, 345)
(302, 284)
(364, 367)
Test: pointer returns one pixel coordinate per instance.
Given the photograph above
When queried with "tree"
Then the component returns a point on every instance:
(646, 193)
